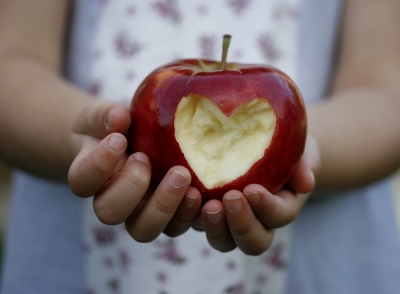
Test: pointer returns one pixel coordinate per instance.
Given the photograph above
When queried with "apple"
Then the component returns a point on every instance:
(230, 124)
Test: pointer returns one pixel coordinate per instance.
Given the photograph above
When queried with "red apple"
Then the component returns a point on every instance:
(230, 124)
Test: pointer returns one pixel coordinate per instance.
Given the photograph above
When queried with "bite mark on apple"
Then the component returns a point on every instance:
(221, 148)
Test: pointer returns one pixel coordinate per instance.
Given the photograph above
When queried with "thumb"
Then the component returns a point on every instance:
(100, 119)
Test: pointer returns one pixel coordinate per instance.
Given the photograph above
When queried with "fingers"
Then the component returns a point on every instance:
(185, 214)
(95, 165)
(232, 223)
(100, 119)
(216, 227)
(274, 211)
(123, 193)
(160, 208)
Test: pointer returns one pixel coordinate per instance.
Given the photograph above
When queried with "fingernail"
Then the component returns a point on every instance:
(253, 197)
(116, 143)
(189, 201)
(233, 204)
(177, 179)
(214, 216)
(109, 118)
(198, 225)
(141, 157)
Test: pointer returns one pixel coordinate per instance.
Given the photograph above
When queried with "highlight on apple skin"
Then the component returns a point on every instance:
(230, 125)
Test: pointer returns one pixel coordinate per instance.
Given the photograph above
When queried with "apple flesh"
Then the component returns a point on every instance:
(219, 148)
(233, 127)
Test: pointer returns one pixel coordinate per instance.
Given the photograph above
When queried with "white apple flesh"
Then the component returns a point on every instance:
(218, 148)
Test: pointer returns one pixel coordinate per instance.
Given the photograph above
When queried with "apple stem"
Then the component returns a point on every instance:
(225, 46)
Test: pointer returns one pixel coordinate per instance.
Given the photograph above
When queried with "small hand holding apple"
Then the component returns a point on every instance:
(247, 219)
(231, 125)
(121, 183)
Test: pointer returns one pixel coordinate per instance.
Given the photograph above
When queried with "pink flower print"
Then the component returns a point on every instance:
(206, 252)
(131, 10)
(275, 257)
(125, 46)
(285, 10)
(168, 9)
(267, 45)
(95, 88)
(202, 9)
(125, 259)
(239, 6)
(169, 252)
(235, 289)
(162, 277)
(232, 265)
(261, 279)
(114, 285)
(108, 262)
(103, 236)
(130, 76)
(207, 46)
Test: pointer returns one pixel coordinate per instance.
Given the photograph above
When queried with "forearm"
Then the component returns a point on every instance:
(37, 111)
(359, 137)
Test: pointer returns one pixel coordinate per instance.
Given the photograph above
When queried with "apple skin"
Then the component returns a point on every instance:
(155, 102)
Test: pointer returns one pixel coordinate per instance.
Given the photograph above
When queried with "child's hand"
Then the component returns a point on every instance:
(247, 219)
(121, 183)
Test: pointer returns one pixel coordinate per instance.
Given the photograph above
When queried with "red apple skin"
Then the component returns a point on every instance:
(155, 102)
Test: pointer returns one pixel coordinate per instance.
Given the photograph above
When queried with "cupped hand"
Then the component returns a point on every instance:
(247, 219)
(120, 183)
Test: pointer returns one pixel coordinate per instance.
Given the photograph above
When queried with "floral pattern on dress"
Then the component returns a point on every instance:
(239, 6)
(168, 9)
(103, 235)
(268, 47)
(169, 252)
(133, 38)
(125, 46)
(207, 45)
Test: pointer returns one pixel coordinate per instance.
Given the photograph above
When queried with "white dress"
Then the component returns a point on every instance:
(132, 39)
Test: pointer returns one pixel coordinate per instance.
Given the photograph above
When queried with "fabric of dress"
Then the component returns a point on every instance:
(341, 244)
(132, 39)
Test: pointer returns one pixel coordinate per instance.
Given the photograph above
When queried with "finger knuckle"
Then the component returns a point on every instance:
(241, 230)
(163, 206)
(139, 179)
(99, 167)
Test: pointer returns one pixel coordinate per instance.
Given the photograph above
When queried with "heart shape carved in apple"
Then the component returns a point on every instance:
(218, 148)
